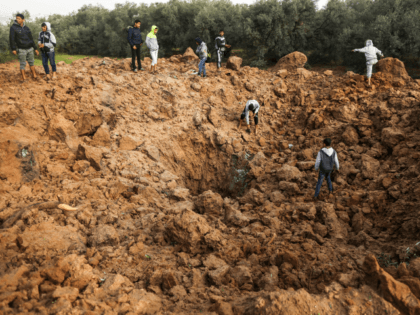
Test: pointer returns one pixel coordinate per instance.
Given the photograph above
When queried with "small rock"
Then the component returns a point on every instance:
(67, 293)
(153, 152)
(218, 276)
(196, 87)
(282, 73)
(234, 63)
(128, 143)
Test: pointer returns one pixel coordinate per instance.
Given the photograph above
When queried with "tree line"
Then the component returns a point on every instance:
(265, 31)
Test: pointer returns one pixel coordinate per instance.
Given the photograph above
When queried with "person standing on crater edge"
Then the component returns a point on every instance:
(152, 44)
(47, 42)
(135, 41)
(221, 48)
(371, 58)
(23, 45)
(202, 54)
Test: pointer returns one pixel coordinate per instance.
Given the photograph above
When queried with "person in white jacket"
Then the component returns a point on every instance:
(371, 58)
(152, 44)
(250, 106)
(325, 162)
(47, 43)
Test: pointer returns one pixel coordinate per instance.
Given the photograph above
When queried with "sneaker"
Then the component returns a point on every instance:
(205, 76)
(135, 70)
(141, 69)
(199, 74)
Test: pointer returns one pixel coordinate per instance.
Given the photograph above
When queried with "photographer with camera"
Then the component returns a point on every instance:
(47, 42)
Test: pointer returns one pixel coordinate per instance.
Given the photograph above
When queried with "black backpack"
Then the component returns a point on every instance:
(327, 162)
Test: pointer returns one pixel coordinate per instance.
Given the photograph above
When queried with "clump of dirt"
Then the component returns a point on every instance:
(290, 62)
(178, 211)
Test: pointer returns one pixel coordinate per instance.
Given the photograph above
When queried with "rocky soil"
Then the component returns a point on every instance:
(178, 212)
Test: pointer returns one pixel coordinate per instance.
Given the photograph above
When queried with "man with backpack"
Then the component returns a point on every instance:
(135, 41)
(325, 162)
(221, 48)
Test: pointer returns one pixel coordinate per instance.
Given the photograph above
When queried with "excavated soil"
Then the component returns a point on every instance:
(179, 212)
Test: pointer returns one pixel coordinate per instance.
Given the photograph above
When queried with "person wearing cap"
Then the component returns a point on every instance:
(202, 54)
(152, 44)
(23, 45)
(251, 106)
(47, 43)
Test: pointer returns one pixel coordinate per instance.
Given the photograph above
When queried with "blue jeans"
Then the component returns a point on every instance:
(49, 56)
(321, 179)
(202, 66)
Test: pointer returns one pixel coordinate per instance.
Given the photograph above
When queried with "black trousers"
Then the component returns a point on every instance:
(134, 53)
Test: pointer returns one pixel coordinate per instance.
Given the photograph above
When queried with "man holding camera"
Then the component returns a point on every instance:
(47, 42)
(23, 45)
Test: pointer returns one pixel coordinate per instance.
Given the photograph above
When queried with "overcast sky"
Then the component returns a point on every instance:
(38, 8)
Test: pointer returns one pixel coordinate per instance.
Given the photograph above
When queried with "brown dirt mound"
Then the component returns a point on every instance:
(180, 212)
(392, 66)
(234, 63)
(290, 62)
(189, 55)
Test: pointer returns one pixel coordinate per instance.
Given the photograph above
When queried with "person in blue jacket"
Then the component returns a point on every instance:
(23, 45)
(135, 41)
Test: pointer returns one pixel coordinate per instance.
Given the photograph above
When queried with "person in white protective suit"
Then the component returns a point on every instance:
(371, 58)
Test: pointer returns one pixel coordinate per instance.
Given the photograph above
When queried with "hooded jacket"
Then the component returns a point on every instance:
(329, 152)
(202, 50)
(21, 37)
(47, 38)
(134, 36)
(370, 51)
(151, 40)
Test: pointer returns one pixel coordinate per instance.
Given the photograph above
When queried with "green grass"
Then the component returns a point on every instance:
(38, 61)
(62, 57)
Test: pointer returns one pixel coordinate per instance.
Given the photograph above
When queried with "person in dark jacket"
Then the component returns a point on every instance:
(220, 48)
(135, 41)
(325, 162)
(47, 43)
(23, 45)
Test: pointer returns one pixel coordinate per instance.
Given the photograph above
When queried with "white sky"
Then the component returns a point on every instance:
(38, 8)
